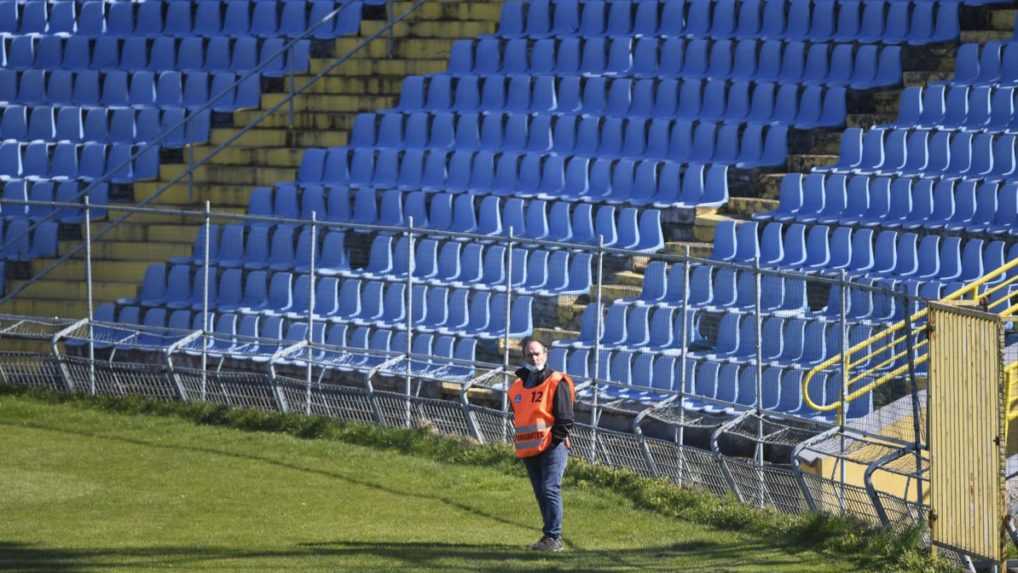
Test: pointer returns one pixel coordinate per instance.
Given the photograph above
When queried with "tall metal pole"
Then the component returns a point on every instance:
(917, 442)
(598, 319)
(409, 315)
(88, 294)
(289, 92)
(845, 367)
(683, 363)
(505, 336)
(313, 247)
(758, 308)
(205, 301)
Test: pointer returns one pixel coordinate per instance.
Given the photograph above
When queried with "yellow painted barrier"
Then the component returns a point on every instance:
(877, 345)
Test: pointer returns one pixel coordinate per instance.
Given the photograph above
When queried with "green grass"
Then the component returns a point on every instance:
(84, 489)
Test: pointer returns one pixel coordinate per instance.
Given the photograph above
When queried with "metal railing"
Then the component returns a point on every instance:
(900, 348)
(142, 148)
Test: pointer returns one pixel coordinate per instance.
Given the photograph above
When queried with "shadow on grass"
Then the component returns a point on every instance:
(364, 556)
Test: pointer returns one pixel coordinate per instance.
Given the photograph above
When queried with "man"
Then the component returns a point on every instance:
(542, 402)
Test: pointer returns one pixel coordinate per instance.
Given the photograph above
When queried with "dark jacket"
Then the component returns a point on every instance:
(562, 403)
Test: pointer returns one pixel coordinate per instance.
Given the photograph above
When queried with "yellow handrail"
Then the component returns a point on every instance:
(962, 293)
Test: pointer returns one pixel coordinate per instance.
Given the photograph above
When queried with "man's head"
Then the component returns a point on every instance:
(535, 353)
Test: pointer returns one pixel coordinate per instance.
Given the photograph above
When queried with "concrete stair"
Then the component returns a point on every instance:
(270, 153)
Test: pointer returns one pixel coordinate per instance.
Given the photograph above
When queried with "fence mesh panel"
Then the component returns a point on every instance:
(233, 389)
(493, 425)
(39, 371)
(623, 450)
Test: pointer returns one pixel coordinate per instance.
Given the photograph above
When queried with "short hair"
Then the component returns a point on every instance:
(526, 342)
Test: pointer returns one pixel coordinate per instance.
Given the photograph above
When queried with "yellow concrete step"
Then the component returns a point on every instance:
(452, 10)
(309, 120)
(428, 48)
(396, 67)
(357, 85)
(102, 270)
(332, 103)
(230, 174)
(706, 220)
(132, 251)
(224, 197)
(76, 290)
(266, 155)
(309, 130)
(431, 29)
(167, 233)
(40, 307)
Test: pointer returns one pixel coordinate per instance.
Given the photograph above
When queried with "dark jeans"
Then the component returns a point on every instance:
(545, 471)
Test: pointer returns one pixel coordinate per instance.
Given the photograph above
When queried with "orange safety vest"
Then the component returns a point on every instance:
(533, 417)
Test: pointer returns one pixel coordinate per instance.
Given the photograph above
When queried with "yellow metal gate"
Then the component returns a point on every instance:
(966, 430)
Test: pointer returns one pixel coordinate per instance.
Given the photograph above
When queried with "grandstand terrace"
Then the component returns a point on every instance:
(357, 208)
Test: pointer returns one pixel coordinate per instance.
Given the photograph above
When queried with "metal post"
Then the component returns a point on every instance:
(917, 442)
(190, 172)
(313, 247)
(505, 337)
(409, 315)
(289, 93)
(88, 294)
(758, 308)
(682, 375)
(205, 301)
(598, 317)
(845, 366)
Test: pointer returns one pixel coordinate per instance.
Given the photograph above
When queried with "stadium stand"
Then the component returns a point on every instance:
(577, 122)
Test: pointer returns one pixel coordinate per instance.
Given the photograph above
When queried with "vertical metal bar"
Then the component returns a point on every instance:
(89, 294)
(758, 316)
(190, 172)
(917, 442)
(289, 93)
(505, 336)
(682, 374)
(409, 315)
(205, 301)
(598, 318)
(392, 30)
(845, 365)
(313, 247)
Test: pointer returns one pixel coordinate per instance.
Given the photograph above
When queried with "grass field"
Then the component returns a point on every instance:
(85, 490)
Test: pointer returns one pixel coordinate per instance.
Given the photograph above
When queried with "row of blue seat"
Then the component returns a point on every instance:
(859, 66)
(624, 134)
(525, 175)
(151, 18)
(76, 160)
(845, 20)
(531, 219)
(22, 244)
(452, 262)
(804, 105)
(991, 63)
(137, 89)
(257, 337)
(585, 135)
(664, 286)
(710, 386)
(957, 107)
(930, 153)
(65, 190)
(744, 145)
(104, 125)
(890, 256)
(951, 205)
(448, 310)
(193, 54)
